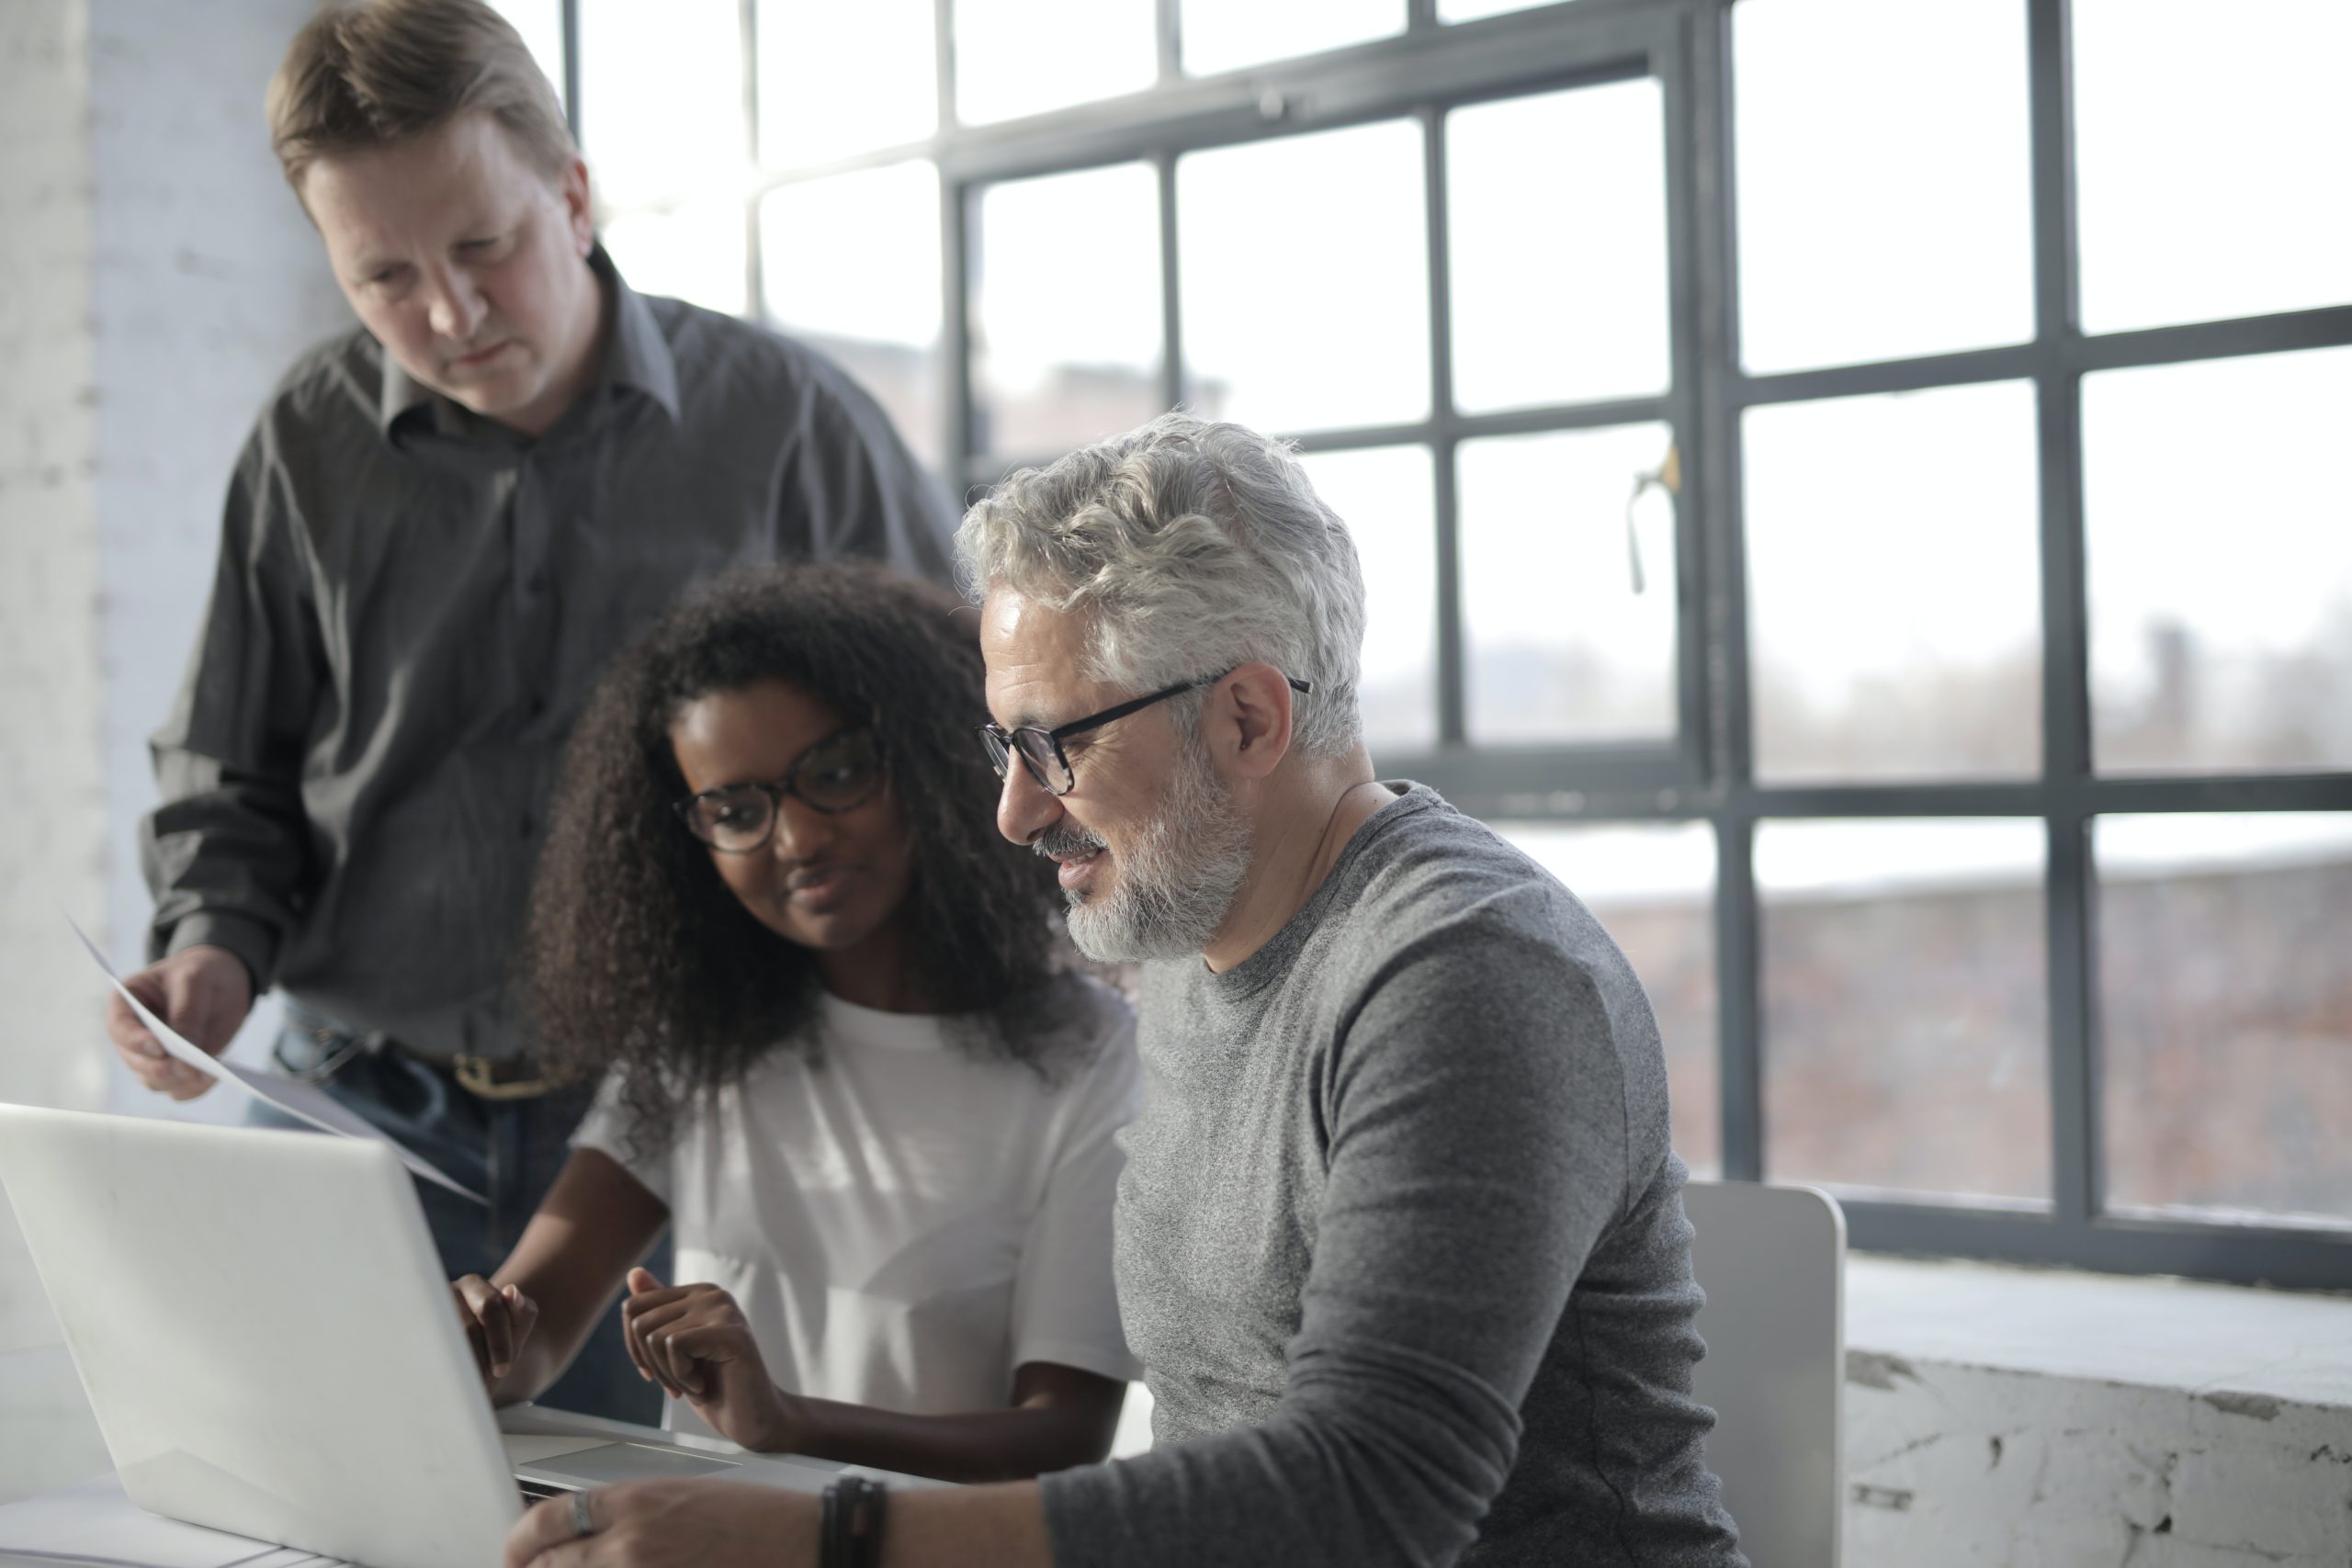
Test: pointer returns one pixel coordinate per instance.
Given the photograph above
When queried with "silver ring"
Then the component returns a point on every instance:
(580, 1523)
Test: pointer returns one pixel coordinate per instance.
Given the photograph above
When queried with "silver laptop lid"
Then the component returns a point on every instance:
(265, 1334)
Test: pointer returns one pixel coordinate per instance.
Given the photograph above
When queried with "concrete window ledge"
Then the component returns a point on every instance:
(2034, 1418)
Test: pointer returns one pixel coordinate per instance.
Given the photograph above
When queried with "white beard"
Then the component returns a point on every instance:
(1176, 880)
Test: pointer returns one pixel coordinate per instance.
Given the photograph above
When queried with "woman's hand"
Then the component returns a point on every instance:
(672, 1524)
(498, 1318)
(694, 1341)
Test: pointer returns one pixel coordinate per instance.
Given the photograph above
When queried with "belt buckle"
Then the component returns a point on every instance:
(478, 1075)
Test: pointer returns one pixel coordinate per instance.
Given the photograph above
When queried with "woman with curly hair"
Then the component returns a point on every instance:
(837, 1054)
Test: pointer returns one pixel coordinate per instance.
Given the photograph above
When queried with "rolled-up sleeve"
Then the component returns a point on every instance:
(225, 854)
(1476, 1156)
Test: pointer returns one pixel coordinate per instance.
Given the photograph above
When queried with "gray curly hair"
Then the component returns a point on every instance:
(1193, 548)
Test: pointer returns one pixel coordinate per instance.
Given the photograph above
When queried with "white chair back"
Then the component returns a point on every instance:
(1773, 1261)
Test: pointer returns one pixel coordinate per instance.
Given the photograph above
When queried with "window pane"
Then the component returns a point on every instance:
(661, 97)
(874, 305)
(1387, 498)
(1225, 34)
(1306, 279)
(1905, 1014)
(2219, 564)
(1894, 565)
(542, 24)
(695, 251)
(835, 80)
(2210, 159)
(1558, 247)
(1065, 338)
(2226, 1011)
(1884, 187)
(1023, 57)
(1470, 10)
(1653, 886)
(1564, 646)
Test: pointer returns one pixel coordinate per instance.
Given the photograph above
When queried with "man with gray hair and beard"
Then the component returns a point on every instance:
(1400, 1241)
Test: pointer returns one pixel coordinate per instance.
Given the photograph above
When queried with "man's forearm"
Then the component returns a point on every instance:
(1002, 1526)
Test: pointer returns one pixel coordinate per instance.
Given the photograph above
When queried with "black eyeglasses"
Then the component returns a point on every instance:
(839, 773)
(1040, 749)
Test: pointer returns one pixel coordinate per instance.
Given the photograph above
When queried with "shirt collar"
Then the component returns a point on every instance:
(640, 356)
(637, 356)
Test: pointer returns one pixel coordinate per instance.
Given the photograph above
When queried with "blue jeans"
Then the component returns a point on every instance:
(507, 1150)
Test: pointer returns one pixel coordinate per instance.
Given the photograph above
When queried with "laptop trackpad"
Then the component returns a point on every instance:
(631, 1461)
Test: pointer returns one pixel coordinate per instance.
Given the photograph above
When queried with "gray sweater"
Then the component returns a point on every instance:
(1400, 1241)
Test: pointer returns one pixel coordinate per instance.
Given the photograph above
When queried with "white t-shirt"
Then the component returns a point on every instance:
(903, 1225)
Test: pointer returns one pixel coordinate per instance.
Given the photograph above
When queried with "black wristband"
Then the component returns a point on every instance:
(850, 1533)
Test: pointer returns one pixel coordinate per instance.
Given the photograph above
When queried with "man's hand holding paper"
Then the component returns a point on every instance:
(202, 993)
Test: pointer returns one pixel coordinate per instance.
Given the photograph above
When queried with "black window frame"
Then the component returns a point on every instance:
(1706, 772)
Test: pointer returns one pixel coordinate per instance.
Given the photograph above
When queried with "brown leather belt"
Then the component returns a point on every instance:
(484, 1078)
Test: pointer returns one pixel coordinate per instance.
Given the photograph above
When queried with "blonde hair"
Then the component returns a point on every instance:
(368, 74)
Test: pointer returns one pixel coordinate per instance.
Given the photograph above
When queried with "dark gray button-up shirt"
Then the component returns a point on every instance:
(413, 604)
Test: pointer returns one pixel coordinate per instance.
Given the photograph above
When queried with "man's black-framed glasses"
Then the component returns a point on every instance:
(1040, 749)
(839, 773)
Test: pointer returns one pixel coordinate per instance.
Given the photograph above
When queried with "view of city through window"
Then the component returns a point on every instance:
(1892, 542)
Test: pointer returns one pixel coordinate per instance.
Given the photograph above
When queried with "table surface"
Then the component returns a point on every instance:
(50, 1441)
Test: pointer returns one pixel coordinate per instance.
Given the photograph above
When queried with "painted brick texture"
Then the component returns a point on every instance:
(1950, 1465)
(53, 804)
(155, 279)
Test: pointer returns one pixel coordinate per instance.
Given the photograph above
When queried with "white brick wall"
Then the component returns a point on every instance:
(1952, 1465)
(155, 279)
(2006, 1418)
(207, 282)
(52, 805)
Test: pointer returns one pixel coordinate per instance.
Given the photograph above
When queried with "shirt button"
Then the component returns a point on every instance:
(536, 584)
(523, 824)
(536, 707)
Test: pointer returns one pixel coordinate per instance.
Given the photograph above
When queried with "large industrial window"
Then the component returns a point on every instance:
(1854, 487)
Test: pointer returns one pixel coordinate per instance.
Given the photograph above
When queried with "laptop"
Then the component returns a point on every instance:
(270, 1349)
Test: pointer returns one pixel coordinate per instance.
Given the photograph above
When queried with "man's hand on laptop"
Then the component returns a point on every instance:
(695, 1342)
(203, 993)
(671, 1523)
(498, 1318)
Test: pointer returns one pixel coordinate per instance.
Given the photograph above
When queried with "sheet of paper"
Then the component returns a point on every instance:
(96, 1522)
(306, 1102)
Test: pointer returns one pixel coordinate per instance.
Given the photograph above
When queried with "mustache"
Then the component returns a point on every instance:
(1069, 838)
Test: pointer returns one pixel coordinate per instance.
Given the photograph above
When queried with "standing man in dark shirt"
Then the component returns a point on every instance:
(442, 525)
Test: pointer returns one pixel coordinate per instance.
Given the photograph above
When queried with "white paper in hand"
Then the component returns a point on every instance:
(306, 1102)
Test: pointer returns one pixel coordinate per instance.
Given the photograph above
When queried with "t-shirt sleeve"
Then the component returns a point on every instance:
(1475, 1149)
(605, 1129)
(1065, 1303)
